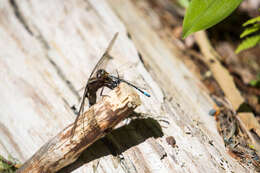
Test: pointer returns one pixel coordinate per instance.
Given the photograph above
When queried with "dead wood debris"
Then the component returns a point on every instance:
(236, 141)
(221, 75)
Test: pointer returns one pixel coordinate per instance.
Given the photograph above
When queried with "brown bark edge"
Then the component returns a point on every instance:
(64, 149)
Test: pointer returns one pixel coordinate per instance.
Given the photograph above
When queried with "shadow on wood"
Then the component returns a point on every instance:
(118, 141)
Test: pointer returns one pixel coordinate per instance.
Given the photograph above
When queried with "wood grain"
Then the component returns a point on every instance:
(48, 49)
(102, 117)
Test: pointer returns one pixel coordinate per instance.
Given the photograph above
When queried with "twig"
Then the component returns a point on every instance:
(101, 117)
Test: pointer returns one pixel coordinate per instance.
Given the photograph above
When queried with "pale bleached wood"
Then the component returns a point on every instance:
(66, 147)
(35, 101)
(48, 49)
(187, 95)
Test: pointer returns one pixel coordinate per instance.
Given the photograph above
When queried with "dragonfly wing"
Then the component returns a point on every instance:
(105, 57)
(101, 63)
(80, 112)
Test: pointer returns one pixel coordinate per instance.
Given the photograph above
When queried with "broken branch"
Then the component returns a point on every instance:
(64, 149)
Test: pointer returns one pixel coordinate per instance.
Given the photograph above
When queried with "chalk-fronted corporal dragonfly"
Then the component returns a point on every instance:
(100, 78)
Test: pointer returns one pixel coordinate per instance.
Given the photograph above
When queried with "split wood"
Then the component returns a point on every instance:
(64, 149)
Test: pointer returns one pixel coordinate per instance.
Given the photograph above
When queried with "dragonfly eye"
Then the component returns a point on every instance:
(101, 73)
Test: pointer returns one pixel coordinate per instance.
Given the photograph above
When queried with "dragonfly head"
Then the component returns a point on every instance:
(101, 73)
(116, 82)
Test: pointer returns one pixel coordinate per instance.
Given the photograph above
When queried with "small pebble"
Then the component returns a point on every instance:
(212, 112)
(171, 141)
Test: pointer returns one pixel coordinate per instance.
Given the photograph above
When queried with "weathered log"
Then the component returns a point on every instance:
(49, 48)
(66, 147)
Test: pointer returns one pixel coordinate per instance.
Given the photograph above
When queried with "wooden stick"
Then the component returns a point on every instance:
(97, 120)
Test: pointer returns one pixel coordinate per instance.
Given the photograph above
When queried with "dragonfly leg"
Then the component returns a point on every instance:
(117, 73)
(102, 89)
(101, 93)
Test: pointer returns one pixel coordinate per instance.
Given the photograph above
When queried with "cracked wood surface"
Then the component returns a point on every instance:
(64, 148)
(48, 49)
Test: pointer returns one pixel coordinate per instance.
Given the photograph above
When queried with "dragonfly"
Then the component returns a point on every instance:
(100, 78)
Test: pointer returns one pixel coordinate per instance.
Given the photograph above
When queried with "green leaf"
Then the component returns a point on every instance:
(252, 21)
(184, 3)
(253, 82)
(248, 43)
(258, 76)
(250, 30)
(202, 14)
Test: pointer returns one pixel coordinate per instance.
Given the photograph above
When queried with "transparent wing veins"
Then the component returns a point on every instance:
(100, 62)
